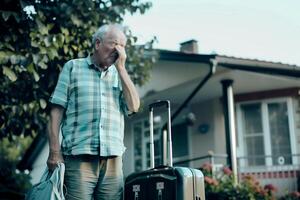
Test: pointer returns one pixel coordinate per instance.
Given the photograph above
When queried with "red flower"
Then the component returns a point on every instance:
(295, 194)
(262, 192)
(211, 181)
(208, 180)
(270, 187)
(249, 178)
(227, 171)
(215, 182)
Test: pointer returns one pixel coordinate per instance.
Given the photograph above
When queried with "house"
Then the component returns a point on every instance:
(265, 117)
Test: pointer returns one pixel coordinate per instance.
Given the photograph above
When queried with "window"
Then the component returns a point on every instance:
(253, 133)
(279, 132)
(264, 131)
(142, 143)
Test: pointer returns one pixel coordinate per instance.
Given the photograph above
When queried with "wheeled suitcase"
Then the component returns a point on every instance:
(164, 182)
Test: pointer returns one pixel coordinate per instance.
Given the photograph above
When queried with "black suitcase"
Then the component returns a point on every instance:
(164, 182)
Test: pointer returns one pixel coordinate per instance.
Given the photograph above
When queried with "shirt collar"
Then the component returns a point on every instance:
(93, 66)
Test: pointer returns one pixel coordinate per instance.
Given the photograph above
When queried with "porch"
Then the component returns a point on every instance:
(281, 171)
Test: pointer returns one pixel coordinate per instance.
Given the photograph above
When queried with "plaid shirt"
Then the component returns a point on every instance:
(94, 109)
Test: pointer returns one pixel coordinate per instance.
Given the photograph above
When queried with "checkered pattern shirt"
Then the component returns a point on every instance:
(94, 109)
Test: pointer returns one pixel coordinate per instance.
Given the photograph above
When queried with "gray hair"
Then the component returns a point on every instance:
(101, 32)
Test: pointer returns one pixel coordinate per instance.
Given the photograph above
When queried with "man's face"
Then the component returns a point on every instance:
(105, 49)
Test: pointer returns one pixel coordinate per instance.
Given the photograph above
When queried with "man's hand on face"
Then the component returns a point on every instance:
(120, 62)
(54, 158)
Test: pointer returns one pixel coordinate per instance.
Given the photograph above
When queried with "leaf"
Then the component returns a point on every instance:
(34, 43)
(4, 56)
(14, 59)
(35, 58)
(31, 105)
(36, 76)
(31, 69)
(50, 26)
(65, 49)
(6, 15)
(9, 46)
(52, 53)
(64, 31)
(43, 50)
(45, 59)
(75, 20)
(10, 74)
(17, 17)
(43, 103)
(74, 47)
(60, 39)
(41, 27)
(43, 65)
(47, 41)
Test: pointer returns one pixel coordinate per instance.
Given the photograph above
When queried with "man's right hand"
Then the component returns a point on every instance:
(53, 159)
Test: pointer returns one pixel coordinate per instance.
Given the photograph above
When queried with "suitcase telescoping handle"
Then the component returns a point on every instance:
(151, 107)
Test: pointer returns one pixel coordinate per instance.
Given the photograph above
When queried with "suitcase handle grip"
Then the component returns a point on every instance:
(162, 167)
(159, 103)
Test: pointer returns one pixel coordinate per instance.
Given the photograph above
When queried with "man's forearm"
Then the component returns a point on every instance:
(56, 116)
(130, 93)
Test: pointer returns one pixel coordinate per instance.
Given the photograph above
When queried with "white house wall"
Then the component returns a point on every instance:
(210, 113)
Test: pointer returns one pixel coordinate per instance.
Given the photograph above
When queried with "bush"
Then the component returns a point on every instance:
(221, 186)
(291, 196)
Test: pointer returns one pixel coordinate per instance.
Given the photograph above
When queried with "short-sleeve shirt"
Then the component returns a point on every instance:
(94, 105)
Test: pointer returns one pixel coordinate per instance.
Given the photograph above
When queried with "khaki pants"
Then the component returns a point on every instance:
(93, 177)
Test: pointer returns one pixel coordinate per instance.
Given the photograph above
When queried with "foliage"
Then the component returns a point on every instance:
(291, 196)
(221, 187)
(37, 38)
(12, 181)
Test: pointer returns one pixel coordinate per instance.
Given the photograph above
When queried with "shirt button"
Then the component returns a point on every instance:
(103, 94)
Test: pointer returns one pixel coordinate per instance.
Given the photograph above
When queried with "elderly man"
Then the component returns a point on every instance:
(89, 102)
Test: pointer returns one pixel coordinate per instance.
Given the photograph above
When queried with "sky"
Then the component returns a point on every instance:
(255, 29)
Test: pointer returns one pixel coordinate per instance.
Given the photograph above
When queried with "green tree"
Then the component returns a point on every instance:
(37, 38)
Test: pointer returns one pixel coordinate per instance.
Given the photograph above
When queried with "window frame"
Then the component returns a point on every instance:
(241, 148)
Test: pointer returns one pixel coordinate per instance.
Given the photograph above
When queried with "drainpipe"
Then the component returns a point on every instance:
(213, 66)
(228, 105)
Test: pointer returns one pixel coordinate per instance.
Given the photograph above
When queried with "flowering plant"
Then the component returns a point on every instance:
(220, 186)
(291, 196)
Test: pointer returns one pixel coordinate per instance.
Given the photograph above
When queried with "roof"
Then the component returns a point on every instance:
(254, 65)
(32, 152)
(185, 57)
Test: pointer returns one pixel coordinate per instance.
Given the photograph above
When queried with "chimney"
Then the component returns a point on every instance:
(190, 46)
